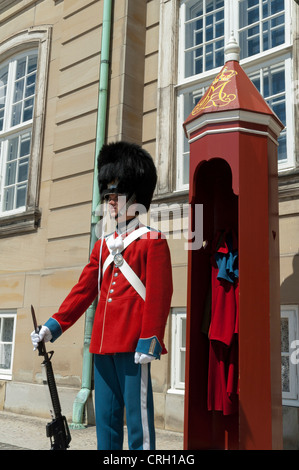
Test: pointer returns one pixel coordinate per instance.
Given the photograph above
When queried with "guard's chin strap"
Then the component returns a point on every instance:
(122, 211)
(127, 226)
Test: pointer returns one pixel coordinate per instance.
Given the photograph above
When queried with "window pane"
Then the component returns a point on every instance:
(276, 6)
(194, 34)
(16, 114)
(19, 90)
(5, 356)
(282, 147)
(23, 170)
(3, 91)
(275, 78)
(285, 373)
(279, 109)
(28, 110)
(9, 199)
(21, 196)
(12, 153)
(183, 338)
(277, 31)
(10, 176)
(7, 329)
(219, 29)
(182, 368)
(182, 347)
(30, 85)
(32, 63)
(284, 329)
(3, 75)
(1, 119)
(6, 341)
(253, 42)
(218, 58)
(252, 14)
(25, 145)
(199, 63)
(21, 68)
(186, 164)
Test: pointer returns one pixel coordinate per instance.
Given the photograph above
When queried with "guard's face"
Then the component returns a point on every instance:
(116, 202)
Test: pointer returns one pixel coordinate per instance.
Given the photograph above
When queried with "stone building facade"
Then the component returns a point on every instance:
(163, 53)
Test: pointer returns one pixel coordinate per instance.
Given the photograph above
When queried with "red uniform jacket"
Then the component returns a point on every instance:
(223, 334)
(123, 322)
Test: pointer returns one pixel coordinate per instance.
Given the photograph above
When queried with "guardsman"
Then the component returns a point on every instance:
(130, 273)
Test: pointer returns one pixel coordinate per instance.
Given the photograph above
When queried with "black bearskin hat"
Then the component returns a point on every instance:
(130, 168)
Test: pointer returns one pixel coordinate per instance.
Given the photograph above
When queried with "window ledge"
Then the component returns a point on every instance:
(288, 184)
(23, 222)
(176, 391)
(175, 196)
(288, 402)
(5, 376)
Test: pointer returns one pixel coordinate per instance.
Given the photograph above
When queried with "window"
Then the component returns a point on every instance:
(290, 355)
(7, 338)
(262, 28)
(178, 350)
(262, 25)
(23, 80)
(204, 36)
(17, 85)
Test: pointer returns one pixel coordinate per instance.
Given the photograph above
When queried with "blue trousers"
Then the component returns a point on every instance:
(119, 384)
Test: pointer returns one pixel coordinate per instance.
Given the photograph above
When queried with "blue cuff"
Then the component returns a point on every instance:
(54, 327)
(149, 346)
(228, 266)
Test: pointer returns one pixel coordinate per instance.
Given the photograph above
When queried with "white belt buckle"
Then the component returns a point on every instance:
(118, 259)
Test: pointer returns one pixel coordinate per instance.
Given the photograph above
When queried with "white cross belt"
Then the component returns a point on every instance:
(116, 257)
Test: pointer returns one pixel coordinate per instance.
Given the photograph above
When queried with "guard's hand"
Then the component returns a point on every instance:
(43, 334)
(141, 358)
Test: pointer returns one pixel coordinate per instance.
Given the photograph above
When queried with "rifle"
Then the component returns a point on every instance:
(57, 430)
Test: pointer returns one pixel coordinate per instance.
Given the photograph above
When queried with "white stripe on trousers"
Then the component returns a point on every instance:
(143, 404)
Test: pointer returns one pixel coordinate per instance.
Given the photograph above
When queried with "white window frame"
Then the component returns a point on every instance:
(274, 55)
(6, 374)
(290, 312)
(178, 315)
(13, 131)
(36, 37)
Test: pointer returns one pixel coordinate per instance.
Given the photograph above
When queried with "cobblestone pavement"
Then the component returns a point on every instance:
(21, 432)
